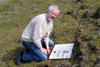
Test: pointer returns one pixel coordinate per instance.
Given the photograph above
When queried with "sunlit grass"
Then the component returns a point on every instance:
(15, 15)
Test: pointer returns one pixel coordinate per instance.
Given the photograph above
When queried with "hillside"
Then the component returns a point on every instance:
(78, 22)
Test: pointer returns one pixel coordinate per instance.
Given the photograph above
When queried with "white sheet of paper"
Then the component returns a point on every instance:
(61, 51)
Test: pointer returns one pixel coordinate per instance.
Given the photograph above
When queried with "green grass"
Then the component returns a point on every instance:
(16, 14)
(4, 7)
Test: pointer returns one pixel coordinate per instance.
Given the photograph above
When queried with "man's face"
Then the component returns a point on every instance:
(52, 14)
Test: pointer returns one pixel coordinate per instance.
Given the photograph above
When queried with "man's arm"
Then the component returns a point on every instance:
(37, 36)
(46, 39)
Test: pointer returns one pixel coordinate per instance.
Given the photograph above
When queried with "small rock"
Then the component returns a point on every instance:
(84, 7)
(70, 12)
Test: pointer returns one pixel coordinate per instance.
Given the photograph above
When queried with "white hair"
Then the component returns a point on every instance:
(53, 7)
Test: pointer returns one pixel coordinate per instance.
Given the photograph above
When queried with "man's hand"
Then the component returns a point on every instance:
(43, 50)
(47, 47)
(48, 51)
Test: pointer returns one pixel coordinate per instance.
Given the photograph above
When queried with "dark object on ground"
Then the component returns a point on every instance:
(19, 58)
(70, 12)
(84, 6)
(85, 15)
(79, 0)
(46, 66)
(96, 14)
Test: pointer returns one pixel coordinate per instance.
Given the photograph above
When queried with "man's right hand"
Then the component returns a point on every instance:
(43, 50)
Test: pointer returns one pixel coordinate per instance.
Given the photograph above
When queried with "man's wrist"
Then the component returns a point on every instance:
(47, 47)
(41, 48)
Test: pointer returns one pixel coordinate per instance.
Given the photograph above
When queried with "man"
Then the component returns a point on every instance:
(35, 37)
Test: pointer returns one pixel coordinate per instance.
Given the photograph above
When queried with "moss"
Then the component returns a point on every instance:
(15, 15)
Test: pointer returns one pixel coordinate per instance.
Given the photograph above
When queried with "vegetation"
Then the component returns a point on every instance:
(78, 22)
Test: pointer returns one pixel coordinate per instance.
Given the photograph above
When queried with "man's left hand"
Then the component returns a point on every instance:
(48, 51)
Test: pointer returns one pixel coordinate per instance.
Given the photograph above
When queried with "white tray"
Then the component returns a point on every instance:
(61, 51)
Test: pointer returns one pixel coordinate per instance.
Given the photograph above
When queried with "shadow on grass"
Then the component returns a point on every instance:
(8, 56)
(77, 53)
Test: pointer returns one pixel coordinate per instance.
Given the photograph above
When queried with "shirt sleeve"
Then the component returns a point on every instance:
(37, 33)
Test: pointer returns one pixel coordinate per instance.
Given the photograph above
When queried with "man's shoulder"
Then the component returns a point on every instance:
(40, 16)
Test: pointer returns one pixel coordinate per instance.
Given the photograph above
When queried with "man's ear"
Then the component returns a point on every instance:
(48, 11)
